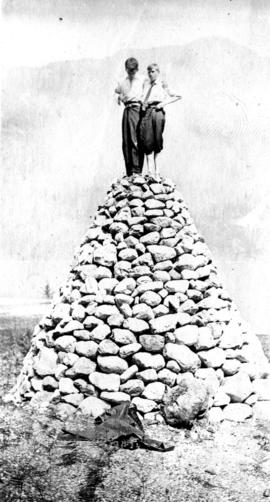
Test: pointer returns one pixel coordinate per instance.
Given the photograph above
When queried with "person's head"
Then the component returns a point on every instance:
(132, 66)
(153, 71)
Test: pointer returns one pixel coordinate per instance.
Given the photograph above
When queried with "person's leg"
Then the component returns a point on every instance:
(126, 141)
(136, 156)
(158, 128)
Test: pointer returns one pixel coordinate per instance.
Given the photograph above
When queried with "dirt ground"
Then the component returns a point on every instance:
(229, 462)
(210, 463)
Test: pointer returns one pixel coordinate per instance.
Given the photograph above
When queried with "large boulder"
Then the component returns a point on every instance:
(186, 402)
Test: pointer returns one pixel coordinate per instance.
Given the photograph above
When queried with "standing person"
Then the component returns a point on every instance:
(156, 95)
(130, 92)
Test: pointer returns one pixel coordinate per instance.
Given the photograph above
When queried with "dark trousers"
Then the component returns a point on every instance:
(130, 131)
(151, 130)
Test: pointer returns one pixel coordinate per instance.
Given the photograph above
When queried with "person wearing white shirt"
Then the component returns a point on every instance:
(156, 95)
(130, 91)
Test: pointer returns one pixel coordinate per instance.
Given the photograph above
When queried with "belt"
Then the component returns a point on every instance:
(132, 104)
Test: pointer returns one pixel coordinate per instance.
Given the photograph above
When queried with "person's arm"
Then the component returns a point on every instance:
(170, 97)
(118, 91)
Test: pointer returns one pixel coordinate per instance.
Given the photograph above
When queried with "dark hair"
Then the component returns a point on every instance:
(131, 64)
(153, 66)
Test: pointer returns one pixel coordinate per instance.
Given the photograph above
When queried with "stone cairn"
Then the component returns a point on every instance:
(143, 317)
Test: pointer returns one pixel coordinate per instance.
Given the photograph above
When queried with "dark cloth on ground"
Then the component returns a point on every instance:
(130, 128)
(151, 129)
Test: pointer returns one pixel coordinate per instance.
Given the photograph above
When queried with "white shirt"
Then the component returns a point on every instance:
(159, 91)
(131, 90)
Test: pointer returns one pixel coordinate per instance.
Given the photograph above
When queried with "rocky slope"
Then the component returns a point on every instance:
(143, 317)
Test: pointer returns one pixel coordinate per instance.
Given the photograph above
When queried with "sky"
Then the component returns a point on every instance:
(36, 32)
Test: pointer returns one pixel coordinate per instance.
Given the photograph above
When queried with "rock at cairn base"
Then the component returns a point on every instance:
(143, 317)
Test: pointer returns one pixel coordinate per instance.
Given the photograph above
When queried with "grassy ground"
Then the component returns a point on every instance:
(228, 463)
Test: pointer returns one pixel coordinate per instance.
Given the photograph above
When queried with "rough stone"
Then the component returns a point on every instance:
(143, 311)
(83, 366)
(129, 350)
(45, 363)
(129, 373)
(123, 336)
(187, 360)
(87, 349)
(179, 286)
(133, 387)
(67, 343)
(146, 360)
(108, 347)
(144, 405)
(164, 323)
(152, 343)
(184, 403)
(213, 358)
(104, 381)
(238, 387)
(134, 325)
(167, 377)
(162, 253)
(66, 386)
(262, 389)
(93, 406)
(187, 335)
(154, 391)
(115, 397)
(237, 412)
(112, 364)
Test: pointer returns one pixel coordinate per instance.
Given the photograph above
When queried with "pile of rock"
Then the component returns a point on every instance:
(143, 317)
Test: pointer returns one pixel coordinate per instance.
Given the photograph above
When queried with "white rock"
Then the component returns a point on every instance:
(105, 256)
(60, 311)
(45, 363)
(108, 347)
(231, 366)
(134, 387)
(187, 335)
(143, 311)
(205, 339)
(221, 399)
(83, 366)
(144, 405)
(215, 415)
(177, 286)
(129, 350)
(232, 337)
(123, 336)
(126, 286)
(164, 323)
(67, 343)
(112, 364)
(238, 387)
(93, 406)
(262, 389)
(145, 360)
(150, 298)
(87, 348)
(152, 343)
(104, 381)
(115, 397)
(78, 312)
(162, 253)
(147, 376)
(154, 391)
(136, 325)
(237, 412)
(104, 311)
(107, 285)
(187, 360)
(167, 377)
(66, 386)
(261, 410)
(129, 373)
(213, 358)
